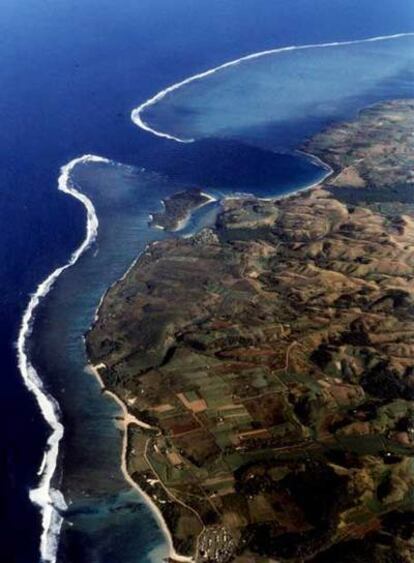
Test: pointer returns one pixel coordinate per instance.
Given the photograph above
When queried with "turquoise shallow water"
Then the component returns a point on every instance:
(278, 99)
(102, 511)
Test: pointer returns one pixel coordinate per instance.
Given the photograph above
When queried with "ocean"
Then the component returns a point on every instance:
(71, 74)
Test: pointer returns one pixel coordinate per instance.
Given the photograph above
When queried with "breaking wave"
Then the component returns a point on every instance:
(49, 499)
(137, 113)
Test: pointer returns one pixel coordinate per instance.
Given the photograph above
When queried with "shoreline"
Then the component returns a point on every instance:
(44, 495)
(182, 223)
(309, 187)
(127, 420)
(362, 147)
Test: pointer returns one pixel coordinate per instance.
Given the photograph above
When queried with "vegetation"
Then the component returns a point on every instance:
(273, 356)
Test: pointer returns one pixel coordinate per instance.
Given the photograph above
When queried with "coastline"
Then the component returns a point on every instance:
(50, 500)
(309, 187)
(129, 419)
(44, 495)
(338, 215)
(182, 223)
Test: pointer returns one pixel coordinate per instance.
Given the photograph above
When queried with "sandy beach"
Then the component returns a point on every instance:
(128, 419)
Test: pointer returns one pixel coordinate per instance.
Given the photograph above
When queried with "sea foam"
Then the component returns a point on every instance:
(136, 114)
(49, 499)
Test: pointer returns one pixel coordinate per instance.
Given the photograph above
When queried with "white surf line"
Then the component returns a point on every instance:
(136, 114)
(49, 499)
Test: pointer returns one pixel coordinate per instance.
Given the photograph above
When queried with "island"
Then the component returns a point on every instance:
(178, 208)
(267, 364)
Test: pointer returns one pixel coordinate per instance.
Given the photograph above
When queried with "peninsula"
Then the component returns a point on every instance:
(177, 209)
(270, 362)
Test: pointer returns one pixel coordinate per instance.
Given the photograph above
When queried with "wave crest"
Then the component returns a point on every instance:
(136, 114)
(49, 499)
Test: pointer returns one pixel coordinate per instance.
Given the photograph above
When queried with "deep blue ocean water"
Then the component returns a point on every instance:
(71, 72)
